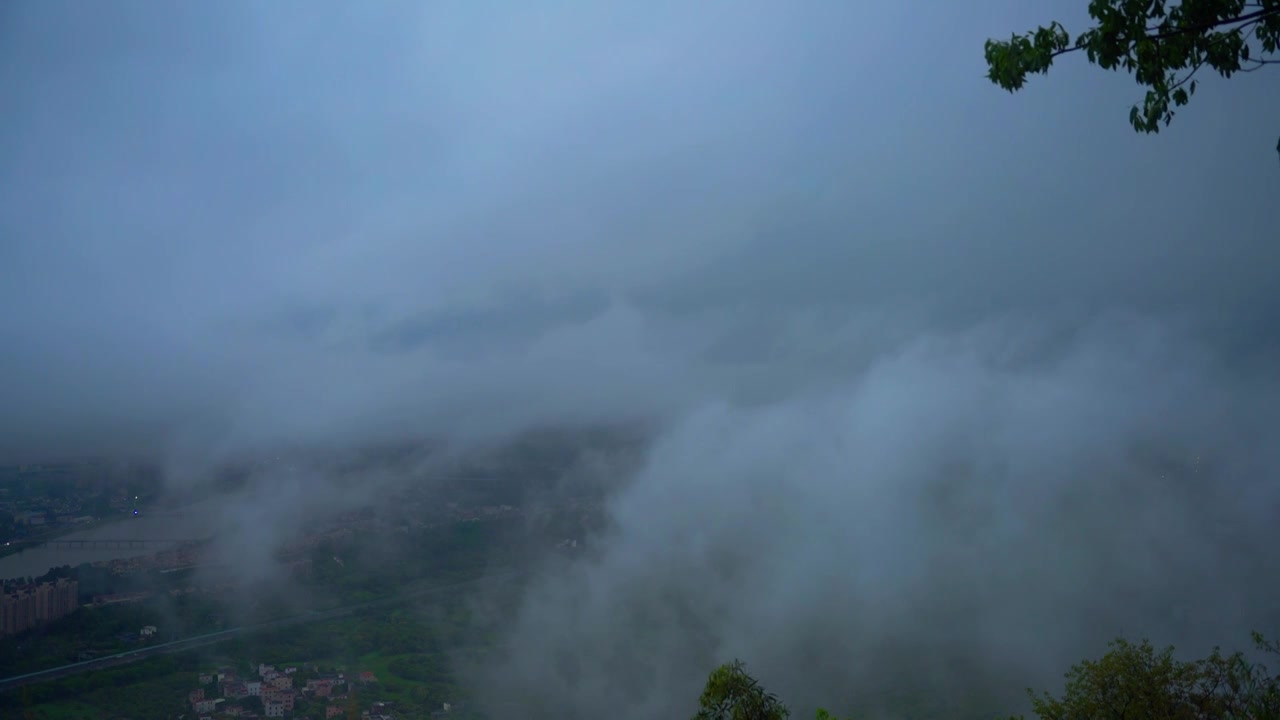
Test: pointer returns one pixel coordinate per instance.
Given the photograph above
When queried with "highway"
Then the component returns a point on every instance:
(199, 641)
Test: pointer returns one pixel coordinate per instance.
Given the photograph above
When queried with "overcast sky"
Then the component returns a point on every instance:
(810, 239)
(234, 221)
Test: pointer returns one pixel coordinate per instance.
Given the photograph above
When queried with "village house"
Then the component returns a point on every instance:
(274, 694)
(204, 705)
(273, 709)
(327, 685)
(254, 687)
(333, 711)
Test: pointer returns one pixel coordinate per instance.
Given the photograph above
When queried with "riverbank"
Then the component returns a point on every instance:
(58, 532)
(158, 531)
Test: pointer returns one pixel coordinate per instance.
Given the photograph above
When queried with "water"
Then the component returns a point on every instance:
(193, 524)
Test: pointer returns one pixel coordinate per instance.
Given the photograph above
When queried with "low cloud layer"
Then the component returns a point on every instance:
(951, 525)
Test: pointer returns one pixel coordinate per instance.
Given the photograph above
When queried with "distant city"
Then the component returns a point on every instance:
(38, 501)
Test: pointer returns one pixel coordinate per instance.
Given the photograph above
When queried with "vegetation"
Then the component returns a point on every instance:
(1162, 44)
(1134, 680)
(154, 688)
(1130, 682)
(732, 694)
(409, 648)
(410, 640)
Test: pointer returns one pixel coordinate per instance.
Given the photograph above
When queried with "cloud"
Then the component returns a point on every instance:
(884, 316)
(953, 524)
(283, 222)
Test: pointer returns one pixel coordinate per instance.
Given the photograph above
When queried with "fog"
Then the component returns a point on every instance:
(949, 527)
(947, 384)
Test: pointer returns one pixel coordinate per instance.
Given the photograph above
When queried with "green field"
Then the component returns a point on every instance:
(407, 644)
(407, 648)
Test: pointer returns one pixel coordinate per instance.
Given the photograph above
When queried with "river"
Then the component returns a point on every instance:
(192, 523)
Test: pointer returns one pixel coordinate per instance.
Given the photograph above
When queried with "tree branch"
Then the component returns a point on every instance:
(1188, 77)
(1252, 17)
(1247, 19)
(1258, 65)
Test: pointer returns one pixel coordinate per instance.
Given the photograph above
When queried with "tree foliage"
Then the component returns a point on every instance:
(1162, 44)
(732, 694)
(1132, 681)
(1136, 681)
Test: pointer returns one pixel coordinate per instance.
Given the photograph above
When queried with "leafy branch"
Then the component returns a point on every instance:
(1163, 45)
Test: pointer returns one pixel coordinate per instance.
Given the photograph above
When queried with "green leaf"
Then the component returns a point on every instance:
(1152, 40)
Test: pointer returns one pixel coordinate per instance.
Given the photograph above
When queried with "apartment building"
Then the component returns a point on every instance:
(31, 606)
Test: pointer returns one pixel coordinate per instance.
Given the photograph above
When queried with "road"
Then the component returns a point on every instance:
(199, 641)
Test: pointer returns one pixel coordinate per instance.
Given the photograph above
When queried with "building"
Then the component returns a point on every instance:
(35, 517)
(31, 606)
(254, 687)
(271, 694)
(326, 685)
(206, 705)
(273, 709)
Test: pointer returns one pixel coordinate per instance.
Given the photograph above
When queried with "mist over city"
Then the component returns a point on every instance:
(489, 360)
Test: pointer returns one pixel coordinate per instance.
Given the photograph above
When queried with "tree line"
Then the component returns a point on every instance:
(1132, 681)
